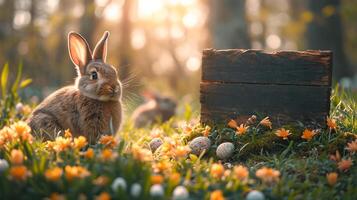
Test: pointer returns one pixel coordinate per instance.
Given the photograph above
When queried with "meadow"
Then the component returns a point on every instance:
(181, 158)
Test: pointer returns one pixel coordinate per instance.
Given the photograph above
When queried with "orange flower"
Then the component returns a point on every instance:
(266, 122)
(332, 178)
(217, 170)
(107, 155)
(308, 134)
(72, 172)
(216, 195)
(53, 174)
(155, 133)
(101, 181)
(331, 123)
(21, 128)
(175, 178)
(103, 196)
(206, 131)
(17, 157)
(67, 133)
(7, 135)
(108, 140)
(89, 154)
(283, 133)
(268, 175)
(232, 124)
(242, 129)
(181, 151)
(344, 165)
(80, 142)
(141, 154)
(19, 173)
(161, 166)
(56, 196)
(156, 179)
(352, 146)
(61, 144)
(241, 173)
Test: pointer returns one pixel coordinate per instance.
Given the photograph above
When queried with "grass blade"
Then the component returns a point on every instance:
(4, 76)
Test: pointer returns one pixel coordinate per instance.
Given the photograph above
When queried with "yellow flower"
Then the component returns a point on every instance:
(53, 174)
(175, 178)
(19, 173)
(108, 140)
(241, 173)
(307, 16)
(344, 164)
(268, 175)
(72, 172)
(328, 10)
(161, 166)
(89, 154)
(332, 178)
(17, 157)
(217, 170)
(216, 195)
(26, 110)
(56, 196)
(103, 196)
(67, 133)
(107, 155)
(232, 124)
(101, 181)
(266, 122)
(156, 179)
(61, 144)
(141, 154)
(308, 134)
(352, 146)
(283, 133)
(181, 151)
(7, 135)
(80, 142)
(242, 129)
(331, 123)
(155, 133)
(23, 131)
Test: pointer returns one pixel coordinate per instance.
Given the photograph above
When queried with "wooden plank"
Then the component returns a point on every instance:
(257, 66)
(283, 103)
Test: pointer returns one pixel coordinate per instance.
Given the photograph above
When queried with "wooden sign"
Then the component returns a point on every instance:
(287, 86)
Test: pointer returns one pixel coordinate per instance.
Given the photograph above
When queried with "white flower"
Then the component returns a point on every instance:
(19, 107)
(255, 195)
(156, 190)
(135, 190)
(180, 193)
(4, 165)
(119, 183)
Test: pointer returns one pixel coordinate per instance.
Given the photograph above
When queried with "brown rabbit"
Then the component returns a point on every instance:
(92, 106)
(157, 109)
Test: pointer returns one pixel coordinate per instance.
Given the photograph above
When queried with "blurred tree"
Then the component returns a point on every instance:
(89, 21)
(125, 46)
(7, 15)
(228, 24)
(326, 32)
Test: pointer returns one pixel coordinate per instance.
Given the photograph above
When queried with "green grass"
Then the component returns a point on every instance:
(302, 164)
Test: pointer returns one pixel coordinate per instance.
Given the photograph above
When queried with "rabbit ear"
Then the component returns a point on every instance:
(100, 50)
(79, 50)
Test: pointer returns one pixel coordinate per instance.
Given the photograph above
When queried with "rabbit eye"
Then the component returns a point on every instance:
(94, 75)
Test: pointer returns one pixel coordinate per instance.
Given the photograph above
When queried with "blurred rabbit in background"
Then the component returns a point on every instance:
(157, 109)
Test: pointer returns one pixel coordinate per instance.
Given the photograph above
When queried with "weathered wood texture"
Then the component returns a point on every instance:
(288, 86)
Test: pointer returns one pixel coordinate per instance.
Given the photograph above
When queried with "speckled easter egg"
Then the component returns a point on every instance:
(255, 195)
(155, 144)
(225, 150)
(199, 144)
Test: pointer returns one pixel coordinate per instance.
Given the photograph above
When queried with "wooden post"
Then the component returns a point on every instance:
(287, 86)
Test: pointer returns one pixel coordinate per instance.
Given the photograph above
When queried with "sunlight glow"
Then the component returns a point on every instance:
(273, 41)
(138, 39)
(190, 20)
(21, 19)
(193, 63)
(147, 8)
(113, 12)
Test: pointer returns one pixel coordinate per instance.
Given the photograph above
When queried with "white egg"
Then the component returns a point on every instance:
(135, 190)
(155, 144)
(255, 195)
(119, 183)
(4, 165)
(199, 144)
(225, 150)
(180, 193)
(156, 190)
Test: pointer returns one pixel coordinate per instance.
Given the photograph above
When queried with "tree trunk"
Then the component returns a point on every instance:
(228, 24)
(125, 48)
(326, 32)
